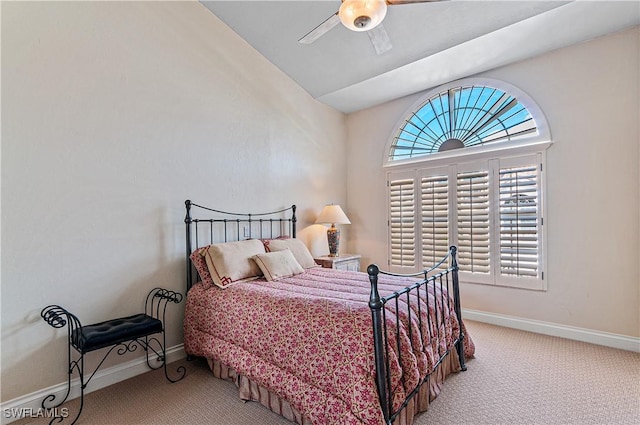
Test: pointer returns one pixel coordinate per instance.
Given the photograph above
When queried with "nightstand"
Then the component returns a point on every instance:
(349, 262)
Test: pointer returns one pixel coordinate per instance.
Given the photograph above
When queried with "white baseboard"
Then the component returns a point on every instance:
(30, 404)
(622, 342)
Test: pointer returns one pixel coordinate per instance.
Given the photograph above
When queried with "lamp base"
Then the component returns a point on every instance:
(333, 236)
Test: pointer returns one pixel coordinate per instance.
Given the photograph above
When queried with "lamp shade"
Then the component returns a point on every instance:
(362, 15)
(332, 214)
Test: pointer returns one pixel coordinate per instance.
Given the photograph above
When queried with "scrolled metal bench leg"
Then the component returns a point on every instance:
(182, 371)
(161, 356)
(58, 317)
(156, 306)
(51, 397)
(83, 385)
(63, 414)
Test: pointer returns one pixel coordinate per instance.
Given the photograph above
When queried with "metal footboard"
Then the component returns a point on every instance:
(446, 279)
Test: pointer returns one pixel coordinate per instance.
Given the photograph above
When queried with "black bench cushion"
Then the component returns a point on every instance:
(110, 332)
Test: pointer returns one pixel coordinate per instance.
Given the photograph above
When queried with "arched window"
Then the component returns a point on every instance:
(466, 168)
(470, 113)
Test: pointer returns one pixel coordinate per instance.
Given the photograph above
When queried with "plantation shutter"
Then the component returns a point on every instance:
(402, 221)
(435, 219)
(472, 198)
(519, 204)
(490, 209)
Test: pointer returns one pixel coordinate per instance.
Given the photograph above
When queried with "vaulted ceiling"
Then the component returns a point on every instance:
(432, 43)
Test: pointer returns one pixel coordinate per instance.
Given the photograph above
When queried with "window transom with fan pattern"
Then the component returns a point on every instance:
(467, 114)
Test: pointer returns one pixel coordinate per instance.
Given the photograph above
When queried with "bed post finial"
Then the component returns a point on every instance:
(294, 220)
(376, 305)
(374, 300)
(454, 262)
(187, 205)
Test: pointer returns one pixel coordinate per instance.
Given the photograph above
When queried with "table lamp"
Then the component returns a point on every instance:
(333, 214)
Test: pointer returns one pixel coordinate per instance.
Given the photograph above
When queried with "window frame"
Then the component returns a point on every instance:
(496, 156)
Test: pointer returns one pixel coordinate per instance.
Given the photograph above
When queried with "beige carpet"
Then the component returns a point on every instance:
(516, 378)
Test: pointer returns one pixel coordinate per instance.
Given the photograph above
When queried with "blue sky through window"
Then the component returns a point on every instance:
(474, 115)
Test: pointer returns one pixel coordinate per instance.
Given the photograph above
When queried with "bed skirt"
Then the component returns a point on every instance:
(251, 391)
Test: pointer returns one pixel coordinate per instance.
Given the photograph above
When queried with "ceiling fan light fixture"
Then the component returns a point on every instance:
(362, 15)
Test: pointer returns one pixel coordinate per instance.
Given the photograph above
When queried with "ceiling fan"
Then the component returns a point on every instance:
(360, 15)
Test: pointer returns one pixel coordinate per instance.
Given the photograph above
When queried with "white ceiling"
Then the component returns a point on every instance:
(433, 43)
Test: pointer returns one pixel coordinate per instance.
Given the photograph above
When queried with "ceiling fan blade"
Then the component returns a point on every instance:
(320, 30)
(380, 39)
(394, 2)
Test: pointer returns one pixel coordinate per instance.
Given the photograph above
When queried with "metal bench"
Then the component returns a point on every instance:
(124, 333)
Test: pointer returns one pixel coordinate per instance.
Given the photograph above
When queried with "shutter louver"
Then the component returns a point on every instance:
(435, 219)
(402, 222)
(473, 222)
(519, 207)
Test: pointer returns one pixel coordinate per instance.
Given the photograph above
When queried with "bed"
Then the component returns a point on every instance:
(315, 345)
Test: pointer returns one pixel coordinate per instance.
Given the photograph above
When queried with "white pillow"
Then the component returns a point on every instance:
(298, 249)
(231, 262)
(278, 264)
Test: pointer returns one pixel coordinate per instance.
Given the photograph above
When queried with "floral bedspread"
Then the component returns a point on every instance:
(308, 339)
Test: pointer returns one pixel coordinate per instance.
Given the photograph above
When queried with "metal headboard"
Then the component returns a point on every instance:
(214, 226)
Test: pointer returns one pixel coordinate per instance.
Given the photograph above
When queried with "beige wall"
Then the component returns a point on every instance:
(113, 114)
(589, 94)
